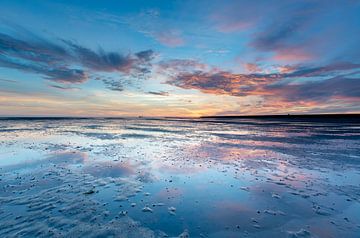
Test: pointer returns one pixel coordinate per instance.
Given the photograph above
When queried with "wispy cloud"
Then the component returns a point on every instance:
(8, 80)
(300, 31)
(151, 24)
(174, 66)
(169, 38)
(65, 61)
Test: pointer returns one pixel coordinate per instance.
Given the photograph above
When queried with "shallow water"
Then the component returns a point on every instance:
(159, 178)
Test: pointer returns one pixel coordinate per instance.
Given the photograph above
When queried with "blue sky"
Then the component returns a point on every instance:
(179, 58)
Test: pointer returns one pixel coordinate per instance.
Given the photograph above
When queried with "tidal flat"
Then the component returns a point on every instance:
(179, 178)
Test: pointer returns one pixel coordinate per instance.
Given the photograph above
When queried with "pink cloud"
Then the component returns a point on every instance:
(170, 38)
(233, 26)
(252, 68)
(292, 55)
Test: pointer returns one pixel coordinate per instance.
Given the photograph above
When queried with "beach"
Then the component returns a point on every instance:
(141, 177)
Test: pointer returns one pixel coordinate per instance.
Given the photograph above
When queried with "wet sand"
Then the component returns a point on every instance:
(210, 177)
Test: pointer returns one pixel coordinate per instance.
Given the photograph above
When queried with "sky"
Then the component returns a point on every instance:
(179, 58)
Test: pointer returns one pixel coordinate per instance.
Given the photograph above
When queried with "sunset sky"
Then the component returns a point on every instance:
(179, 58)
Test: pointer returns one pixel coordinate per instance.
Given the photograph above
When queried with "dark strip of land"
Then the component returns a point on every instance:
(289, 116)
(319, 118)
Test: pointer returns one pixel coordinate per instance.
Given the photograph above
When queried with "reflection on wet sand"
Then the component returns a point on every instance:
(144, 178)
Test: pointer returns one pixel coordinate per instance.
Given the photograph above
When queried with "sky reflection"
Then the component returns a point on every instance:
(276, 182)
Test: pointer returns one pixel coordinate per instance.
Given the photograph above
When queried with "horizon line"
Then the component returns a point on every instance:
(185, 117)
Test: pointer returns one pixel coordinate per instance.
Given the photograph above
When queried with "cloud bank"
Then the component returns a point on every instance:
(303, 83)
(65, 61)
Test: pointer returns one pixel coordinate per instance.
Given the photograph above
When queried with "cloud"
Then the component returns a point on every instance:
(233, 27)
(217, 52)
(251, 67)
(277, 35)
(8, 80)
(109, 61)
(296, 84)
(63, 87)
(287, 38)
(300, 31)
(327, 70)
(59, 74)
(234, 17)
(152, 24)
(337, 87)
(160, 93)
(65, 61)
(146, 55)
(65, 75)
(35, 49)
(174, 66)
(113, 85)
(101, 61)
(223, 82)
(169, 38)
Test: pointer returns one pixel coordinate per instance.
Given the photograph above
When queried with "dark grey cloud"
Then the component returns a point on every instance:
(34, 49)
(59, 73)
(65, 61)
(101, 60)
(110, 61)
(160, 93)
(63, 87)
(66, 75)
(114, 85)
(275, 39)
(327, 70)
(8, 80)
(336, 87)
(146, 55)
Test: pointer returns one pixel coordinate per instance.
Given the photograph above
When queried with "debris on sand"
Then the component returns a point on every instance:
(275, 195)
(91, 191)
(172, 210)
(123, 213)
(185, 234)
(147, 209)
(257, 226)
(302, 233)
(247, 189)
(274, 213)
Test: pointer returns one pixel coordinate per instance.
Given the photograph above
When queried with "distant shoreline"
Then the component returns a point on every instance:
(287, 116)
(232, 117)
